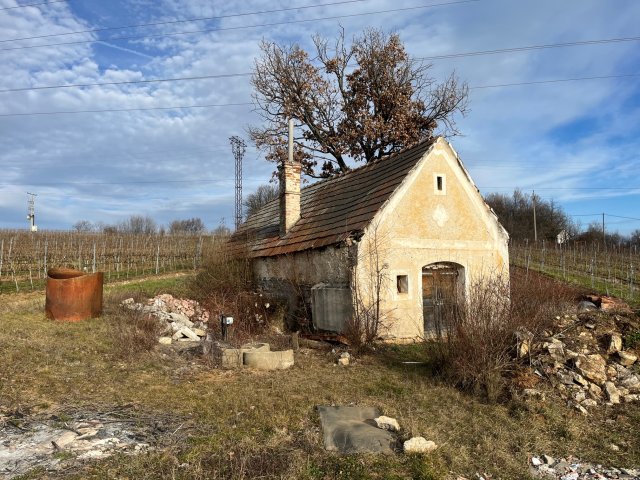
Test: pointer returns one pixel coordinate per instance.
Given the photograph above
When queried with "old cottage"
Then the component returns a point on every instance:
(402, 237)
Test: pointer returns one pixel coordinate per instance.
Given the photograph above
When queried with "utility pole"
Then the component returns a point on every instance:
(238, 147)
(31, 209)
(535, 225)
(604, 235)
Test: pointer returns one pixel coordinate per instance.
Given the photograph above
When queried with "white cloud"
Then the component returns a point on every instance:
(511, 135)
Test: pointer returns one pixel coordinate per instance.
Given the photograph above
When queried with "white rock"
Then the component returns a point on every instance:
(199, 332)
(419, 445)
(165, 340)
(536, 462)
(180, 318)
(343, 361)
(615, 343)
(187, 332)
(387, 423)
(627, 358)
(612, 392)
(65, 439)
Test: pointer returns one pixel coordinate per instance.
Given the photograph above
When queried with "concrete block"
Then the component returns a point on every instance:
(268, 360)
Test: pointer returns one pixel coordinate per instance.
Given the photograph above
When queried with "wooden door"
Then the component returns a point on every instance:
(439, 298)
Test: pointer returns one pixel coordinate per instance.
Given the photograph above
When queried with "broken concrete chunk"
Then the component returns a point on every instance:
(164, 340)
(187, 332)
(180, 318)
(199, 332)
(419, 445)
(387, 423)
(343, 361)
(269, 360)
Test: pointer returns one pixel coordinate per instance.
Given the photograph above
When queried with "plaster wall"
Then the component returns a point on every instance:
(428, 221)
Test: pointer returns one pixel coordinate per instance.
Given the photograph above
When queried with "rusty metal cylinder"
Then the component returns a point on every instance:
(73, 295)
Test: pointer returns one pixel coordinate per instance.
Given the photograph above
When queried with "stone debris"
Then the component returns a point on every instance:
(28, 445)
(185, 319)
(387, 423)
(585, 356)
(418, 445)
(344, 359)
(572, 468)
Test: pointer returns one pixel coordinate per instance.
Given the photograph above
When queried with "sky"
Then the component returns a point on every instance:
(563, 121)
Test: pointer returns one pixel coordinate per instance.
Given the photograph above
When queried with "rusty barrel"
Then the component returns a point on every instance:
(73, 295)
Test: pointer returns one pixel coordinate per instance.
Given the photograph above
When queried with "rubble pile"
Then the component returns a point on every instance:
(186, 320)
(587, 358)
(573, 469)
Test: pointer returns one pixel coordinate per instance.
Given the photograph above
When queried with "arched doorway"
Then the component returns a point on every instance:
(442, 290)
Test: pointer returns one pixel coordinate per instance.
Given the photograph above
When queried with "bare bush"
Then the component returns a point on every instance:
(479, 353)
(369, 286)
(224, 286)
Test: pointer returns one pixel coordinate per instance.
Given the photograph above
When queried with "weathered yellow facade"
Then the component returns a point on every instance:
(421, 225)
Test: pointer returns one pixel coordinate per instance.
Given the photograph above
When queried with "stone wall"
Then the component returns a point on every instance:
(290, 277)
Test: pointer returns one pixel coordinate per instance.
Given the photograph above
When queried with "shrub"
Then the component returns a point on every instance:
(478, 353)
(224, 286)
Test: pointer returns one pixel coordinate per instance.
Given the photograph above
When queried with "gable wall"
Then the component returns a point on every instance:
(418, 227)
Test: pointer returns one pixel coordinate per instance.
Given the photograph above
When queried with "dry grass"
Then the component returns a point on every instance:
(479, 353)
(245, 424)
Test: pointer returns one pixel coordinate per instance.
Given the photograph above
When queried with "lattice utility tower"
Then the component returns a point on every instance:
(31, 209)
(238, 147)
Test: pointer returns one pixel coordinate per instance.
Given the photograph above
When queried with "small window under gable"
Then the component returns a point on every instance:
(402, 282)
(440, 184)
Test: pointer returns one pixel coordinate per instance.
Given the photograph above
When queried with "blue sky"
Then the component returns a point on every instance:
(574, 141)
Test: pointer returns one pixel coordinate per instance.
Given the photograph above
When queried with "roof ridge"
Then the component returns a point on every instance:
(426, 141)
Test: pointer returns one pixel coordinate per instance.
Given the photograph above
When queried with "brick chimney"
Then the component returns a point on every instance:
(289, 189)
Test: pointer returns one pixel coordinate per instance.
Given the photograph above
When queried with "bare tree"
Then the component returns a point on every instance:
(263, 195)
(191, 226)
(83, 226)
(138, 224)
(365, 100)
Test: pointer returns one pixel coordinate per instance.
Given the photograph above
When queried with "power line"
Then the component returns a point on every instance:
(565, 188)
(187, 20)
(143, 109)
(132, 182)
(230, 75)
(556, 80)
(242, 27)
(127, 82)
(531, 47)
(32, 5)
(618, 216)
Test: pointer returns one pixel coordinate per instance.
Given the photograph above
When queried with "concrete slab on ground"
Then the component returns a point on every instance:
(353, 430)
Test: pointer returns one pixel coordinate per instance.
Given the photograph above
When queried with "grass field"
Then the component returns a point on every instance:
(246, 424)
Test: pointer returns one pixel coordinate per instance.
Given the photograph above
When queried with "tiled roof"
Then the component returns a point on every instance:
(330, 210)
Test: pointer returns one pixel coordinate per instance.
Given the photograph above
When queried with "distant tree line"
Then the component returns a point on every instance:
(145, 225)
(515, 213)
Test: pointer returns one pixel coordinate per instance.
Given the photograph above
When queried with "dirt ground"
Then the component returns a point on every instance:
(192, 420)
